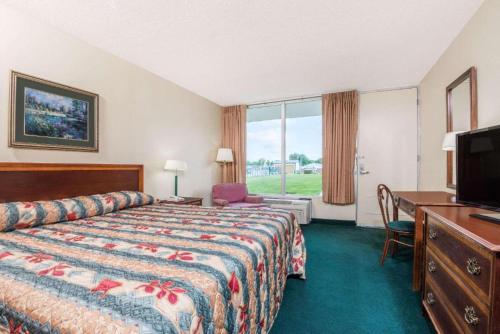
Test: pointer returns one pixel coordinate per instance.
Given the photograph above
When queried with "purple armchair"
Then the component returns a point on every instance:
(235, 195)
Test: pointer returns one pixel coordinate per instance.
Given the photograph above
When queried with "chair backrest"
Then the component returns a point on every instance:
(387, 205)
(231, 192)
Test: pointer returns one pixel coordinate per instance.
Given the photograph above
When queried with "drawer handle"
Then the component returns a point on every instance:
(473, 267)
(433, 234)
(431, 266)
(430, 298)
(470, 316)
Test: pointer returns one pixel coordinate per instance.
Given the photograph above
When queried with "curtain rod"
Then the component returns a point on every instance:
(308, 97)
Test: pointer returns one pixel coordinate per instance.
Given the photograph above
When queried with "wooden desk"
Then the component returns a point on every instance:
(411, 202)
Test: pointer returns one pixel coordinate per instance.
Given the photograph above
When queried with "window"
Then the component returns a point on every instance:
(284, 148)
(264, 149)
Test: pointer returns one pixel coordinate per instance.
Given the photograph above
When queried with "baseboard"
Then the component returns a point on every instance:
(333, 221)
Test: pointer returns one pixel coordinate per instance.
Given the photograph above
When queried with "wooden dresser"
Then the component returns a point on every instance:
(462, 271)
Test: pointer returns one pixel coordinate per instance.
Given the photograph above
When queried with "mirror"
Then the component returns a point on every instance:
(461, 114)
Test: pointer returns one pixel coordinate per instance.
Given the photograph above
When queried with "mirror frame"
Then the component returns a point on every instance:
(470, 74)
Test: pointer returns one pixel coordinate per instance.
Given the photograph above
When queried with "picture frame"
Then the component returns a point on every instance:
(52, 116)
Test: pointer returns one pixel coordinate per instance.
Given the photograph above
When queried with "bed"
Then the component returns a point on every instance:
(121, 262)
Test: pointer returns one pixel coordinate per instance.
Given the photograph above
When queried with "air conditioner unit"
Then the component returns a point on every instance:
(301, 208)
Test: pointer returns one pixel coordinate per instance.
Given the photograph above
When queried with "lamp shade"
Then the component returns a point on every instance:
(224, 155)
(175, 165)
(450, 140)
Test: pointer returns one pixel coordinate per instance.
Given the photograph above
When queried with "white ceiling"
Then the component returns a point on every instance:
(243, 51)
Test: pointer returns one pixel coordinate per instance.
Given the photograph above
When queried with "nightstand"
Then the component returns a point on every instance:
(186, 201)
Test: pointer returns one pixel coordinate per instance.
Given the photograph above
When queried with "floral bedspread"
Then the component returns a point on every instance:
(150, 269)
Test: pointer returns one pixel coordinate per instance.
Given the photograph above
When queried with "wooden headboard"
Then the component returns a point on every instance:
(47, 181)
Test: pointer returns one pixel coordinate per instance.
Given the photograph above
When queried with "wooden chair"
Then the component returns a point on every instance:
(394, 227)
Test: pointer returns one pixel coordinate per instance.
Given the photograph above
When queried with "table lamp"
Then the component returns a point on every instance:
(177, 166)
(224, 156)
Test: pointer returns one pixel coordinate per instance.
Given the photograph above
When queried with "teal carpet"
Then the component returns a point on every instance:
(347, 291)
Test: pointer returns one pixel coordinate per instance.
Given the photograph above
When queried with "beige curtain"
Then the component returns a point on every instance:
(340, 125)
(234, 137)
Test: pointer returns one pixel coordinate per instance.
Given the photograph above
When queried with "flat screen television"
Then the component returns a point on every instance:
(478, 168)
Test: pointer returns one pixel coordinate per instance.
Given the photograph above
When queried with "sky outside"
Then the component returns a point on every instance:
(303, 135)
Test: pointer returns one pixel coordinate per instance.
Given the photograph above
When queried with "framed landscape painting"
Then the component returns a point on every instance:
(48, 115)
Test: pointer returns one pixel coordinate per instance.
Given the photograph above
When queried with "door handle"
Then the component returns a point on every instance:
(362, 169)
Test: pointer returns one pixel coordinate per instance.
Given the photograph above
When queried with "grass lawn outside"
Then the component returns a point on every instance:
(296, 184)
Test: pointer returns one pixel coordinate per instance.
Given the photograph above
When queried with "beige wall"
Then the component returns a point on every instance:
(327, 211)
(477, 45)
(143, 118)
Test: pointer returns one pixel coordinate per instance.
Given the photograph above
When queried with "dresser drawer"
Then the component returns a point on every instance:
(472, 265)
(436, 305)
(470, 314)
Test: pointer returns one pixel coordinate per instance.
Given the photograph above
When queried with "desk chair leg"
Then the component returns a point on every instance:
(386, 247)
(395, 244)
